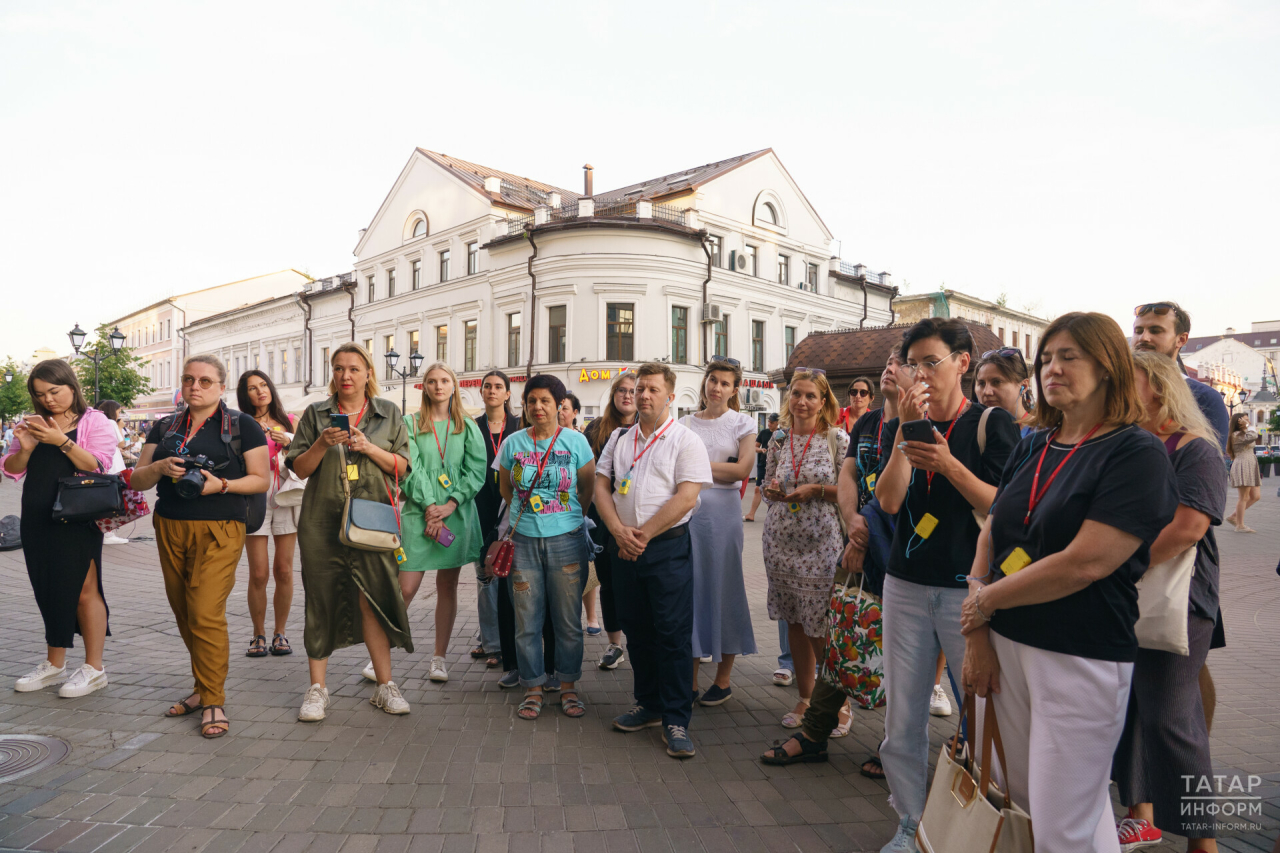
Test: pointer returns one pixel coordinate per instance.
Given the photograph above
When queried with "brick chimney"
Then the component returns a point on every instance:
(586, 177)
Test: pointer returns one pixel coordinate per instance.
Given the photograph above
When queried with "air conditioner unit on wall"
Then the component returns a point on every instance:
(756, 396)
(710, 313)
(740, 263)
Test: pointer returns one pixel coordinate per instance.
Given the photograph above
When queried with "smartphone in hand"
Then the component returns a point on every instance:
(339, 420)
(445, 536)
(920, 430)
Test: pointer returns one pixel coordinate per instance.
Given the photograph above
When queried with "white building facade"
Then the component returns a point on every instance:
(1017, 329)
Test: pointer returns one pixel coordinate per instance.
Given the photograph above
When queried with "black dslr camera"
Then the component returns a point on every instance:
(191, 483)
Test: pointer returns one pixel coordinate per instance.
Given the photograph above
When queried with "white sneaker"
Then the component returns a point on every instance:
(314, 704)
(368, 673)
(705, 659)
(939, 704)
(387, 697)
(82, 682)
(783, 677)
(112, 539)
(39, 678)
(438, 673)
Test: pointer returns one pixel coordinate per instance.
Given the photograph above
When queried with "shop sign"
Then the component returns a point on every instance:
(757, 383)
(603, 373)
(476, 383)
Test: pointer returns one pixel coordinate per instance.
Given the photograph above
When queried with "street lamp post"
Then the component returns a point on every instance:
(1237, 398)
(77, 337)
(415, 362)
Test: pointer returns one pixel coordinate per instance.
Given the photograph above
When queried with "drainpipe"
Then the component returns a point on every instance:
(863, 321)
(351, 312)
(182, 333)
(533, 300)
(892, 317)
(306, 336)
(706, 248)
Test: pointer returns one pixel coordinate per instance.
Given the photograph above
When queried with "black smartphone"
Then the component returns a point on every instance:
(339, 420)
(920, 430)
(732, 459)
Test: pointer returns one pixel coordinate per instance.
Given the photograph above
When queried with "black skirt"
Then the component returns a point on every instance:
(58, 554)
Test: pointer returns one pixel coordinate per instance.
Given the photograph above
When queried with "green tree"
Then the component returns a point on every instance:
(1274, 423)
(119, 378)
(14, 399)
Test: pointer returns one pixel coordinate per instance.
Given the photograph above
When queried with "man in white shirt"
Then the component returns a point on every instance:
(647, 485)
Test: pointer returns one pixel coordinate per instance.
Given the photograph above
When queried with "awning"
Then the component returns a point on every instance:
(146, 414)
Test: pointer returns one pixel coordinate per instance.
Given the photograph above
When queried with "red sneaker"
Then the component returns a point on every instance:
(1136, 832)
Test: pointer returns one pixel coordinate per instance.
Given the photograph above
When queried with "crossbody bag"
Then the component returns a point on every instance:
(368, 525)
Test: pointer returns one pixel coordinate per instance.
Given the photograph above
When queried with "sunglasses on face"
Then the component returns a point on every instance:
(204, 382)
(859, 392)
(732, 362)
(1157, 308)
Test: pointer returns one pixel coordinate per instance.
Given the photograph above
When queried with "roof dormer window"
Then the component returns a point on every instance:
(420, 228)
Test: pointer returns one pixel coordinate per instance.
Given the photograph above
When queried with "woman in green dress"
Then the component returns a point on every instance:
(447, 457)
(351, 596)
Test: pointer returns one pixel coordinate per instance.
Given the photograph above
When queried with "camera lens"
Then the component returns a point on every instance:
(189, 485)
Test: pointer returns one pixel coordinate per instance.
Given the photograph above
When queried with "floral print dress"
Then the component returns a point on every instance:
(802, 548)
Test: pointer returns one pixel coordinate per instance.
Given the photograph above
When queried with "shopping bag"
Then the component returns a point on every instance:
(854, 653)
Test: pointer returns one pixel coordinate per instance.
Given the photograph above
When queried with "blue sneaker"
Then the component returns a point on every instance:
(678, 743)
(509, 679)
(551, 685)
(636, 719)
(716, 695)
(904, 840)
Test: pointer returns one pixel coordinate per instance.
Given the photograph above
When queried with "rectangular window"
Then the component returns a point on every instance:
(388, 343)
(716, 245)
(444, 266)
(297, 364)
(442, 343)
(757, 346)
(784, 269)
(679, 335)
(324, 357)
(391, 283)
(469, 345)
(1001, 336)
(236, 375)
(257, 360)
(1027, 341)
(413, 342)
(812, 279)
(513, 339)
(620, 331)
(1013, 339)
(720, 331)
(369, 282)
(752, 267)
(557, 319)
(416, 274)
(473, 258)
(284, 366)
(788, 342)
(368, 346)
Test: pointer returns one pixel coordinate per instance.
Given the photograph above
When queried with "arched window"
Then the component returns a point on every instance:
(769, 213)
(420, 228)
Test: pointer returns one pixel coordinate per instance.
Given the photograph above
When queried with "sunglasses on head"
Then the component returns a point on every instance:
(723, 359)
(1004, 352)
(817, 371)
(1157, 308)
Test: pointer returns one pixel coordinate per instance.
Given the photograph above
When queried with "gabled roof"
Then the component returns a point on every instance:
(845, 353)
(679, 182)
(523, 193)
(1249, 339)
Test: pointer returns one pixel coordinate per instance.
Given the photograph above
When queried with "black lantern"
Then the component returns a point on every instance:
(415, 363)
(77, 338)
(117, 339)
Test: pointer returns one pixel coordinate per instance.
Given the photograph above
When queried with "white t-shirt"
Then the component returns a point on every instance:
(721, 437)
(117, 461)
(676, 456)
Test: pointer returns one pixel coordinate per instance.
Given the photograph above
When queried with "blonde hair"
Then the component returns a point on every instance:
(371, 385)
(725, 367)
(1177, 404)
(829, 415)
(457, 414)
(611, 418)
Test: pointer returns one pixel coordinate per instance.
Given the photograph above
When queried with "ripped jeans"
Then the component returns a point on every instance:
(547, 579)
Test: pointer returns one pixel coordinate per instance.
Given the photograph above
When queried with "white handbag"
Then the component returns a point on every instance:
(957, 817)
(1163, 593)
(291, 488)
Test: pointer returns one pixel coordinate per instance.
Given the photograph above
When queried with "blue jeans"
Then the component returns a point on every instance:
(919, 621)
(487, 608)
(547, 578)
(784, 645)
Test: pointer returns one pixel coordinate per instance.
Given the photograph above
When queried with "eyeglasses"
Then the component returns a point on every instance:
(732, 362)
(926, 365)
(859, 392)
(1004, 352)
(625, 392)
(1158, 308)
(204, 382)
(817, 371)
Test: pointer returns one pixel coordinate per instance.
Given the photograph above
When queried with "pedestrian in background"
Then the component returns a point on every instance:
(200, 530)
(496, 424)
(1246, 479)
(762, 451)
(111, 409)
(64, 559)
(1003, 380)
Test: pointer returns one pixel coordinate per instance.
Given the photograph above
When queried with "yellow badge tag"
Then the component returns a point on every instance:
(926, 526)
(535, 503)
(871, 481)
(1015, 562)
(400, 556)
(445, 481)
(624, 486)
(793, 506)
(353, 471)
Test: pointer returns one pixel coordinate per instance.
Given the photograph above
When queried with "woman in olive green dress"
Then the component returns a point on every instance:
(446, 455)
(351, 596)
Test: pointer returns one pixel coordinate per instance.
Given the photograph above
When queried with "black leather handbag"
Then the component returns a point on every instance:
(88, 497)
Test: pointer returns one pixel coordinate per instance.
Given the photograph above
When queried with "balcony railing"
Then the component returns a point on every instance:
(668, 213)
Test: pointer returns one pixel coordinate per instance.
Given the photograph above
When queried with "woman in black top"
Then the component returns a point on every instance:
(496, 424)
(1049, 620)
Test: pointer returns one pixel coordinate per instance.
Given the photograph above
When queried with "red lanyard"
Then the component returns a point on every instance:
(542, 464)
(496, 442)
(192, 430)
(1037, 493)
(796, 466)
(436, 436)
(964, 404)
(635, 440)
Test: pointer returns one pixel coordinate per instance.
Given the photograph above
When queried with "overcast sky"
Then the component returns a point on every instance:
(1083, 155)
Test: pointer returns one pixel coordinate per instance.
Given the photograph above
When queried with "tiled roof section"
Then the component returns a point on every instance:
(1257, 340)
(677, 182)
(516, 191)
(865, 350)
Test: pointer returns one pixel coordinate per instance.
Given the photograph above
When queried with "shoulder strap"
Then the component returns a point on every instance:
(833, 446)
(982, 430)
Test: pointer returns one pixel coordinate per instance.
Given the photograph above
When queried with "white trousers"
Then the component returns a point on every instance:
(1060, 719)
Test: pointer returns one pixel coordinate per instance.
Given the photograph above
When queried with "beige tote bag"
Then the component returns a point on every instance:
(1163, 594)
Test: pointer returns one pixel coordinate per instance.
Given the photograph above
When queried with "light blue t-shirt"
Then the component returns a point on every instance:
(561, 512)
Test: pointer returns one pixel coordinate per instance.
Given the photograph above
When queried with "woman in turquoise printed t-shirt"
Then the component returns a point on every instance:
(547, 478)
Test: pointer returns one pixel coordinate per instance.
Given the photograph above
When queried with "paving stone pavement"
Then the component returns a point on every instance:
(461, 772)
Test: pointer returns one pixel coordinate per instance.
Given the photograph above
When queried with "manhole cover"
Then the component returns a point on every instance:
(23, 754)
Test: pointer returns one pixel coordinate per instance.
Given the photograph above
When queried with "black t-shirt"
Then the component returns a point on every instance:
(947, 552)
(1202, 486)
(489, 498)
(207, 441)
(1122, 479)
(762, 439)
(865, 440)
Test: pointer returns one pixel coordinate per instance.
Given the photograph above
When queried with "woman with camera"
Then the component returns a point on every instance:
(351, 595)
(64, 560)
(203, 460)
(256, 395)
